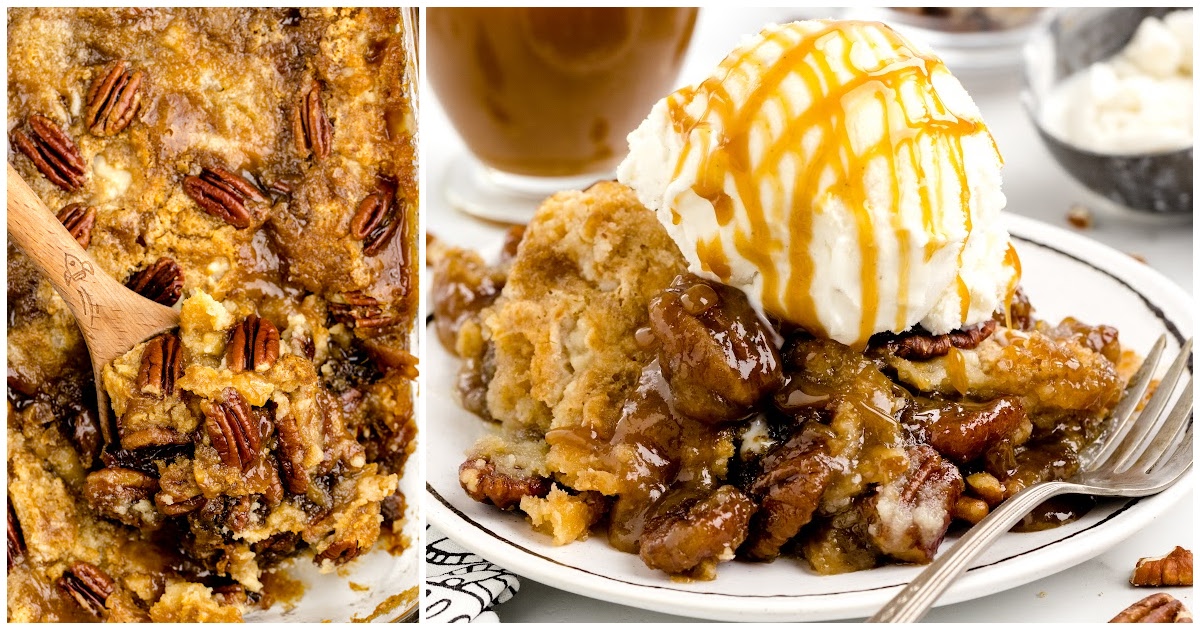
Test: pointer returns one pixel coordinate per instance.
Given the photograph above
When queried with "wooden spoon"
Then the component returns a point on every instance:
(112, 318)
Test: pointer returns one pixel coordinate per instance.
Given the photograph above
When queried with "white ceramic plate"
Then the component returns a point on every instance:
(1064, 274)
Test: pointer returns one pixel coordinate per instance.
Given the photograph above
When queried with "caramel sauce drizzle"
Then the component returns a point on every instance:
(721, 138)
(1012, 261)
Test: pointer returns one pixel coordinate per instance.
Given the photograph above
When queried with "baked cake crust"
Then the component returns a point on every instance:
(251, 165)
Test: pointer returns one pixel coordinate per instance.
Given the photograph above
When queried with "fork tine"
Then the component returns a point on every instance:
(1179, 462)
(1152, 414)
(1164, 440)
(1120, 420)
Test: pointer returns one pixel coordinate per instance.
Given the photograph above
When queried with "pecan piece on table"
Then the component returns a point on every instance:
(115, 493)
(376, 220)
(485, 484)
(113, 99)
(360, 310)
(88, 585)
(162, 282)
(918, 345)
(16, 542)
(340, 552)
(53, 153)
(310, 125)
(253, 345)
(162, 365)
(233, 430)
(1157, 608)
(223, 194)
(1173, 569)
(79, 220)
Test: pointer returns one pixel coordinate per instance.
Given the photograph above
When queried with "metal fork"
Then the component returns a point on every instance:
(1134, 457)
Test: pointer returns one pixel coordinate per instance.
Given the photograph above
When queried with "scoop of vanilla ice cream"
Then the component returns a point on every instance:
(839, 175)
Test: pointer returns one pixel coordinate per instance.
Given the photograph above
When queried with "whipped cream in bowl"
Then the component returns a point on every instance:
(1110, 93)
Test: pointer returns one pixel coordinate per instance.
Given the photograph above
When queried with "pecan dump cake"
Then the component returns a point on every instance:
(256, 169)
(796, 327)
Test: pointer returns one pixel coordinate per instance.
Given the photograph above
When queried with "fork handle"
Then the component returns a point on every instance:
(911, 604)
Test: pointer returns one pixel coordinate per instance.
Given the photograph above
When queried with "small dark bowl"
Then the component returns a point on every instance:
(1073, 39)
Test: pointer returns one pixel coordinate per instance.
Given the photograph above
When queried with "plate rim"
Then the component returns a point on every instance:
(1140, 279)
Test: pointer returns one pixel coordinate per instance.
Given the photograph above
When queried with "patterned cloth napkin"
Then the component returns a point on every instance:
(459, 585)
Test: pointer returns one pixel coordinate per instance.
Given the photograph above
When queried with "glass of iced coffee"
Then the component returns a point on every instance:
(544, 97)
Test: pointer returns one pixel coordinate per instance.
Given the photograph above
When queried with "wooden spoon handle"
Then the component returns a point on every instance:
(110, 316)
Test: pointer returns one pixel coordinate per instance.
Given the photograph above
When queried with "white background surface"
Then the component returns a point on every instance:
(1036, 187)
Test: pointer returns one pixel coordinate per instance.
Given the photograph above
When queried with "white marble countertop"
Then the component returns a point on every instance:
(1036, 187)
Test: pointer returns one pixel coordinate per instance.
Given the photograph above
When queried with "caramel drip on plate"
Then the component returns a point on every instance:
(818, 139)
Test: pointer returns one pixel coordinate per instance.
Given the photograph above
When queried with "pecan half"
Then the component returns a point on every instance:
(689, 533)
(291, 455)
(233, 430)
(376, 221)
(16, 542)
(794, 476)
(360, 310)
(223, 194)
(1157, 608)
(89, 585)
(53, 153)
(340, 552)
(919, 345)
(113, 99)
(115, 493)
(310, 125)
(485, 484)
(79, 220)
(162, 365)
(253, 345)
(1173, 569)
(908, 518)
(963, 431)
(162, 282)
